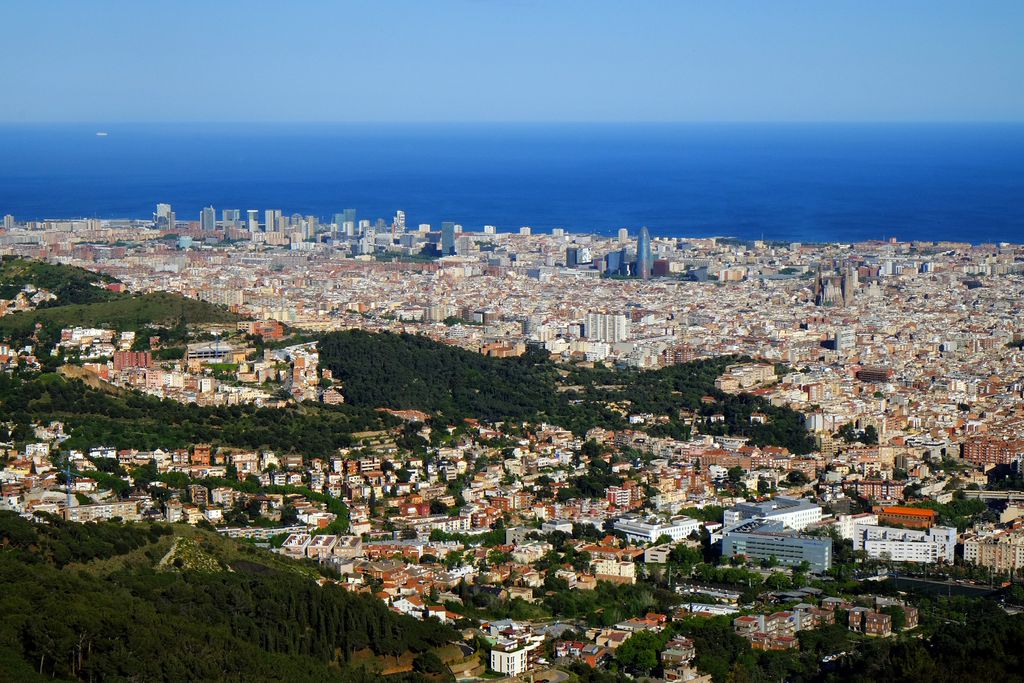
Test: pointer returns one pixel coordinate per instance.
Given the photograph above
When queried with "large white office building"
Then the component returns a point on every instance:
(648, 530)
(794, 513)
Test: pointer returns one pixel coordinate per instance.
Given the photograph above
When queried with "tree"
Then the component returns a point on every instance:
(899, 617)
(870, 436)
(847, 433)
(639, 652)
(797, 478)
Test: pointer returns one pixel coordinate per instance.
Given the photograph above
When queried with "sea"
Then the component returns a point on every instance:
(789, 182)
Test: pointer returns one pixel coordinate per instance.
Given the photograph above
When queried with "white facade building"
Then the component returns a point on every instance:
(640, 530)
(606, 327)
(906, 545)
(846, 524)
(794, 513)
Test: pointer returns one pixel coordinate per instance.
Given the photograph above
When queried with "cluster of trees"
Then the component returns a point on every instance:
(959, 512)
(255, 623)
(405, 371)
(609, 603)
(413, 372)
(849, 434)
(133, 420)
(591, 484)
(61, 543)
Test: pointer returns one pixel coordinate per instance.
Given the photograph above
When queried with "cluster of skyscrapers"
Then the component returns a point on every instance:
(622, 263)
(366, 237)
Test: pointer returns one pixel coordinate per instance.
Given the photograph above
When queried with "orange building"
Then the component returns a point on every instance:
(914, 518)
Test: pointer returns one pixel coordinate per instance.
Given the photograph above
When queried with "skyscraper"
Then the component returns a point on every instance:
(273, 220)
(230, 217)
(162, 215)
(447, 238)
(346, 222)
(399, 223)
(208, 219)
(253, 220)
(8, 222)
(644, 260)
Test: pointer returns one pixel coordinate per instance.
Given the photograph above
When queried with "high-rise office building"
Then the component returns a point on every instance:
(8, 222)
(230, 217)
(399, 222)
(447, 238)
(162, 215)
(253, 220)
(273, 220)
(623, 235)
(578, 256)
(644, 260)
(346, 222)
(616, 263)
(208, 219)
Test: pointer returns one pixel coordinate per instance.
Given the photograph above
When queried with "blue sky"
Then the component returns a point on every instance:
(477, 60)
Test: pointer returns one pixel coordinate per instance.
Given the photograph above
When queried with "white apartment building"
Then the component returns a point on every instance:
(511, 662)
(905, 545)
(606, 327)
(846, 525)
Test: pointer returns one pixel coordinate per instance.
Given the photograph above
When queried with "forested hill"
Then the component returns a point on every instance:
(69, 284)
(84, 299)
(134, 420)
(413, 372)
(94, 602)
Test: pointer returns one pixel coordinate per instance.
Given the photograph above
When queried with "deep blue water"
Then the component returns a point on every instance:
(806, 182)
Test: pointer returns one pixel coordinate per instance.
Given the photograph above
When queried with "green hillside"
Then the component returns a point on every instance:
(83, 300)
(133, 420)
(414, 372)
(125, 312)
(93, 602)
(71, 285)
